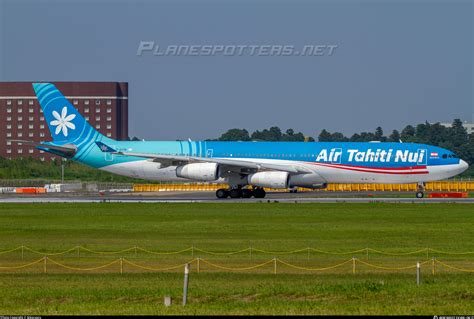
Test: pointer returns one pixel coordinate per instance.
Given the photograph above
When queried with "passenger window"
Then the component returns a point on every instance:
(445, 156)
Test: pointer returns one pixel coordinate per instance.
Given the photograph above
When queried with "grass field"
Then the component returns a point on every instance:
(229, 227)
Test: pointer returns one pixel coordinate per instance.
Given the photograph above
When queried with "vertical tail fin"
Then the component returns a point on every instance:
(65, 123)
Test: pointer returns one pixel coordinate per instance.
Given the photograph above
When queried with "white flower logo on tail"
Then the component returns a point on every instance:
(63, 121)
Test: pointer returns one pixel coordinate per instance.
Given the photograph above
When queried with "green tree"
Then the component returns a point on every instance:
(272, 134)
(325, 136)
(423, 133)
(457, 133)
(291, 136)
(235, 134)
(379, 135)
(408, 134)
(338, 137)
(437, 134)
(394, 137)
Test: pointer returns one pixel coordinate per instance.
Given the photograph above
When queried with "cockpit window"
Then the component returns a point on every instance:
(450, 156)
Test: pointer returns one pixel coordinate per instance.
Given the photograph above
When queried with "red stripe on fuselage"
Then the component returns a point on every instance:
(373, 170)
(379, 168)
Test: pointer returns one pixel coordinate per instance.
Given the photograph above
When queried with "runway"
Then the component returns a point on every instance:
(209, 197)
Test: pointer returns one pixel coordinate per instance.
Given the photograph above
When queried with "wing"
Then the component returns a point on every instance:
(234, 165)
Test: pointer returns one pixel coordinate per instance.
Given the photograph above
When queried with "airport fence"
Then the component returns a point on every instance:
(274, 264)
(443, 186)
(248, 250)
(361, 260)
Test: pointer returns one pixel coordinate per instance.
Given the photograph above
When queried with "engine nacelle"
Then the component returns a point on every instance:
(199, 171)
(311, 180)
(269, 179)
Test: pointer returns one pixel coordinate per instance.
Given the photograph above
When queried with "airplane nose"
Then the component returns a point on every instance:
(463, 166)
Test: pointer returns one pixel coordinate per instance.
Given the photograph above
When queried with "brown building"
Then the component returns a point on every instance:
(103, 104)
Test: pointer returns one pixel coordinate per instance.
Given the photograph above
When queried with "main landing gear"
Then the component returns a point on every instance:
(257, 192)
(421, 190)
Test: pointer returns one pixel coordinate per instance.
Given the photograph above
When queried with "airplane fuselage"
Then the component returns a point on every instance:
(334, 162)
(260, 164)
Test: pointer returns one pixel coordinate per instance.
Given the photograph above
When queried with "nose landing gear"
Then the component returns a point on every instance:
(421, 190)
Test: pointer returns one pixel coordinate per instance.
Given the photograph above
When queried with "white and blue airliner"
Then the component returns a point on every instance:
(247, 167)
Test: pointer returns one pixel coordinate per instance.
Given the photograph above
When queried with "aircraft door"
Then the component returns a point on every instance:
(422, 155)
(336, 156)
(109, 157)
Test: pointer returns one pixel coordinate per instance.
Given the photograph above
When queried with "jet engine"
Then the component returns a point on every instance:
(269, 179)
(199, 171)
(311, 180)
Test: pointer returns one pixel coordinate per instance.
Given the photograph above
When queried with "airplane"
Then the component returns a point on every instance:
(247, 167)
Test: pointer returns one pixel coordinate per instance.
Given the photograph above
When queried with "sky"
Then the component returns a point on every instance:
(394, 62)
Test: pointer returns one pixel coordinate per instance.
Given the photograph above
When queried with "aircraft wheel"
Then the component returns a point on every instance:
(235, 193)
(420, 194)
(247, 193)
(259, 193)
(222, 193)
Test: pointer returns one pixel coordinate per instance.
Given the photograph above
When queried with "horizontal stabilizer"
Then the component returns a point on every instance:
(66, 150)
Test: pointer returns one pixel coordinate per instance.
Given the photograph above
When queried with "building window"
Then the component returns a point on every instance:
(86, 102)
(97, 110)
(109, 134)
(9, 102)
(30, 151)
(109, 102)
(109, 126)
(31, 118)
(9, 126)
(20, 110)
(109, 118)
(9, 118)
(9, 151)
(41, 158)
(97, 102)
(31, 110)
(42, 126)
(20, 134)
(20, 118)
(20, 151)
(97, 126)
(86, 110)
(30, 126)
(9, 134)
(9, 142)
(9, 110)
(31, 102)
(41, 118)
(75, 102)
(97, 118)
(30, 134)
(20, 102)
(109, 110)
(87, 118)
(20, 126)
(41, 134)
